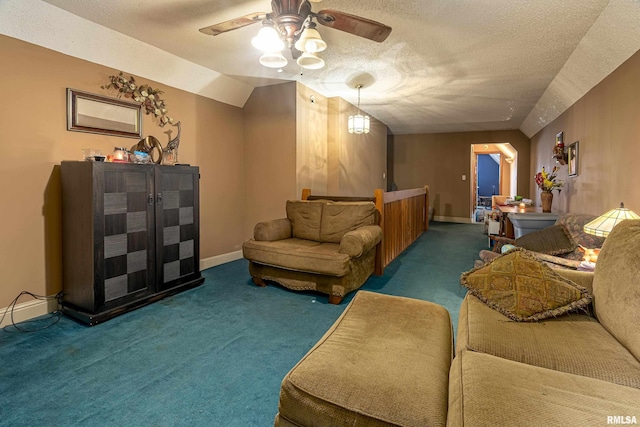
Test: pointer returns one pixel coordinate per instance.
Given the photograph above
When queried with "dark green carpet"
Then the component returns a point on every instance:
(214, 355)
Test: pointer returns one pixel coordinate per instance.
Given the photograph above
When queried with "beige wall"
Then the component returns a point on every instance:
(269, 153)
(312, 116)
(606, 121)
(440, 160)
(356, 162)
(34, 140)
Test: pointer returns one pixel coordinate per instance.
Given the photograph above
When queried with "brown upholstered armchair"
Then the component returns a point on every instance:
(322, 245)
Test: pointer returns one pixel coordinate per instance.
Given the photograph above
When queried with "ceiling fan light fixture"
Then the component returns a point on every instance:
(268, 39)
(310, 40)
(310, 61)
(273, 60)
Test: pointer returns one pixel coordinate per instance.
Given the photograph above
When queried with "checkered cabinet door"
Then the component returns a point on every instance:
(128, 232)
(178, 214)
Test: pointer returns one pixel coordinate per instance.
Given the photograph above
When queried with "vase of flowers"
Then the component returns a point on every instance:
(547, 182)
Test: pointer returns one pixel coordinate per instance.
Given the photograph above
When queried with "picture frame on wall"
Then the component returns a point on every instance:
(573, 159)
(88, 112)
(559, 138)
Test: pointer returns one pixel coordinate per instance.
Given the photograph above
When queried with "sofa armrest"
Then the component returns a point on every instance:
(582, 278)
(277, 229)
(359, 241)
(550, 260)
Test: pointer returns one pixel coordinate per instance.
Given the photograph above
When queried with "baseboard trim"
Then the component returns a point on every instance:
(28, 310)
(220, 259)
(456, 219)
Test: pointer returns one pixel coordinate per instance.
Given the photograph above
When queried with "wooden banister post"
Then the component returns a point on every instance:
(426, 208)
(379, 265)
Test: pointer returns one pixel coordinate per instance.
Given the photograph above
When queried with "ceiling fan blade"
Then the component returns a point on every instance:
(234, 24)
(353, 24)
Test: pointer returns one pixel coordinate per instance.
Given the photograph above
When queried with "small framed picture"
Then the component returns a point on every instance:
(572, 158)
(559, 138)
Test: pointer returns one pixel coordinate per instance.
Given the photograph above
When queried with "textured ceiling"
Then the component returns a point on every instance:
(447, 66)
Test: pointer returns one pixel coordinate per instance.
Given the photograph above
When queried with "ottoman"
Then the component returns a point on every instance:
(384, 362)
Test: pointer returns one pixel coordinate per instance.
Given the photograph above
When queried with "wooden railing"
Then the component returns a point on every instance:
(405, 216)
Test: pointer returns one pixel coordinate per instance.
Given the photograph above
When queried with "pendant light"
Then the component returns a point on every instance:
(359, 123)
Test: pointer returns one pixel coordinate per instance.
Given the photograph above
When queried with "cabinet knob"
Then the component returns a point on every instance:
(159, 198)
(150, 200)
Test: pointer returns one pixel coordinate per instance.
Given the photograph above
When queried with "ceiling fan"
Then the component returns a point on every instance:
(293, 23)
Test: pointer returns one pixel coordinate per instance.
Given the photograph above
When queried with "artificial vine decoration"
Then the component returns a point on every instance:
(145, 94)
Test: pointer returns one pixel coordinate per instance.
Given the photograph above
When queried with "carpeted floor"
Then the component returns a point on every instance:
(211, 356)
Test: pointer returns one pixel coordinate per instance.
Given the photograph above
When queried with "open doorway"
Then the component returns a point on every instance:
(488, 179)
(487, 160)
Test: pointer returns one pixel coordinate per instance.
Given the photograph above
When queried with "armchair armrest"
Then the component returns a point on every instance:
(356, 242)
(276, 229)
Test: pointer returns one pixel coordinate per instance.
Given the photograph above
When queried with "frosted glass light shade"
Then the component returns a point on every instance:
(602, 225)
(310, 61)
(267, 40)
(359, 124)
(310, 41)
(273, 60)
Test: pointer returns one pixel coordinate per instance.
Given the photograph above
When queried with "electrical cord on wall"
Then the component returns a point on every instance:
(56, 315)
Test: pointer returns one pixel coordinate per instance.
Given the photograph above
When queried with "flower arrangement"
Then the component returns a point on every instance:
(145, 94)
(547, 181)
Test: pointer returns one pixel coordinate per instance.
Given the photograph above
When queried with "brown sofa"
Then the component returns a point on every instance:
(321, 245)
(576, 369)
(386, 360)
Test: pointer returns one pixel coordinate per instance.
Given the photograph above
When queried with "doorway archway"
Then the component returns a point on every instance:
(505, 157)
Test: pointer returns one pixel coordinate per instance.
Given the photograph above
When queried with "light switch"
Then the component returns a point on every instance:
(464, 177)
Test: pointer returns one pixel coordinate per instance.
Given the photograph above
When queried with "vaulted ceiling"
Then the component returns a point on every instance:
(447, 66)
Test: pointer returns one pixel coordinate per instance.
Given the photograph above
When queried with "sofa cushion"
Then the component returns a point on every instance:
(552, 240)
(338, 218)
(523, 288)
(616, 287)
(573, 343)
(300, 255)
(490, 391)
(305, 218)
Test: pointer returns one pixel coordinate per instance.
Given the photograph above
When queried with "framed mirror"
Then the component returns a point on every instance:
(88, 112)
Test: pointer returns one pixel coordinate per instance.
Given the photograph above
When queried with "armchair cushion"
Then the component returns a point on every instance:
(356, 242)
(554, 240)
(524, 289)
(270, 231)
(299, 255)
(305, 218)
(343, 217)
